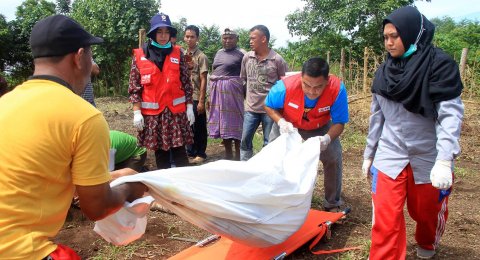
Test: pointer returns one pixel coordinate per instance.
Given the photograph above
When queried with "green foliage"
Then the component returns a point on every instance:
(117, 22)
(63, 6)
(28, 13)
(6, 41)
(325, 26)
(210, 41)
(243, 39)
(452, 37)
(336, 24)
(180, 26)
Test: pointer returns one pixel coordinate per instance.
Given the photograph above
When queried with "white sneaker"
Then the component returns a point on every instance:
(424, 253)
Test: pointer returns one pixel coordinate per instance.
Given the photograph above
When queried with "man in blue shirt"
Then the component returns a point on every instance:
(315, 103)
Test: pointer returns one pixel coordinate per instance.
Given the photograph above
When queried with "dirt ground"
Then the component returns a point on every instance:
(167, 234)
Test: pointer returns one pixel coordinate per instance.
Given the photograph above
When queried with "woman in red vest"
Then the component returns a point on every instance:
(161, 94)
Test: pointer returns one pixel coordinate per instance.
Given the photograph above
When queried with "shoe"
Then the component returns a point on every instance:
(334, 209)
(198, 159)
(337, 210)
(425, 253)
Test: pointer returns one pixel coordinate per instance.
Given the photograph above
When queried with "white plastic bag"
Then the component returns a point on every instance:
(259, 203)
(126, 225)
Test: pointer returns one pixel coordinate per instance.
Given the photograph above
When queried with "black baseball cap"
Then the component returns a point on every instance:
(59, 35)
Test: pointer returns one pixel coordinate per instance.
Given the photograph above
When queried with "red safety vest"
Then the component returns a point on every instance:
(294, 106)
(161, 89)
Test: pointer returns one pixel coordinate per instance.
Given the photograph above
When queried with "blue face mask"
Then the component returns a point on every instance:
(410, 51)
(413, 47)
(158, 45)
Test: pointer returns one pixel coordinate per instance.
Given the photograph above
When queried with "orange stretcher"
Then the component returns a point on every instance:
(315, 226)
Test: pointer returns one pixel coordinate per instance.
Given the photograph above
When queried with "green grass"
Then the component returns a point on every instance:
(119, 252)
(212, 141)
(257, 142)
(352, 138)
(462, 172)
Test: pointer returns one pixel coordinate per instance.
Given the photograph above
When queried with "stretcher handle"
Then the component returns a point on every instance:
(207, 240)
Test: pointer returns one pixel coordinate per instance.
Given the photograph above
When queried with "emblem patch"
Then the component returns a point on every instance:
(323, 109)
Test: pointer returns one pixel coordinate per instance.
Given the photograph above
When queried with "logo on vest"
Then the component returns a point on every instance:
(145, 79)
(290, 104)
(174, 60)
(324, 109)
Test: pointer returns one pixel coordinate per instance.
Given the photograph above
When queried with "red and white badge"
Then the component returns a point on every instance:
(146, 79)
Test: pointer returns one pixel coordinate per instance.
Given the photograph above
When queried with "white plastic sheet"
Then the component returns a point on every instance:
(259, 203)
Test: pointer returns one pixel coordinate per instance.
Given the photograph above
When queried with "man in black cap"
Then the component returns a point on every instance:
(55, 143)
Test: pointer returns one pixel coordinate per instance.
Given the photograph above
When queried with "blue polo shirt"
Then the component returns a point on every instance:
(338, 111)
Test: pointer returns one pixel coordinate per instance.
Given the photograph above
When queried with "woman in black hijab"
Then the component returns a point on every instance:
(161, 93)
(423, 75)
(413, 136)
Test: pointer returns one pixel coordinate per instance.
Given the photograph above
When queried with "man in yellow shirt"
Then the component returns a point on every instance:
(53, 142)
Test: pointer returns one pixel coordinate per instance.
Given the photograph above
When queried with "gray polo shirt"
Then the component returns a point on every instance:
(260, 75)
(397, 137)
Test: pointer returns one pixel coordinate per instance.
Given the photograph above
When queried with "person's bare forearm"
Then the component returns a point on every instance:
(203, 88)
(335, 130)
(273, 114)
(137, 106)
(99, 201)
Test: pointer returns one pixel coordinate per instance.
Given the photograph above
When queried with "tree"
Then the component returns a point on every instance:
(27, 14)
(117, 22)
(180, 26)
(333, 24)
(453, 36)
(6, 41)
(64, 6)
(210, 41)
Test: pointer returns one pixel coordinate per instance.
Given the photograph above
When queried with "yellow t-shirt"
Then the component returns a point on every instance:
(50, 140)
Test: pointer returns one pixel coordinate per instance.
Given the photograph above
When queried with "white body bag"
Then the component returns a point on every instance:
(260, 202)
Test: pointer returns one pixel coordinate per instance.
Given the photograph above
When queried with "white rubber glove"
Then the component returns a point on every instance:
(324, 142)
(111, 159)
(285, 127)
(441, 174)
(138, 119)
(190, 114)
(367, 164)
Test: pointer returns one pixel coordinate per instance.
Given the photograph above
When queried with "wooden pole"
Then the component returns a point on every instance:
(328, 57)
(141, 37)
(350, 65)
(342, 63)
(463, 62)
(365, 70)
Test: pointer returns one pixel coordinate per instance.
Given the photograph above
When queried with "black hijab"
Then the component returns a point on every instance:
(155, 54)
(423, 79)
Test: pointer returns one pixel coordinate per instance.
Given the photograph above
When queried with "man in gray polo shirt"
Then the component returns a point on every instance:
(261, 68)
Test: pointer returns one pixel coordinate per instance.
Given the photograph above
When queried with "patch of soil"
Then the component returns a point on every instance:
(166, 234)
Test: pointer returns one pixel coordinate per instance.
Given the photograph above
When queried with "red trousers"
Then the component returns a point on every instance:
(426, 205)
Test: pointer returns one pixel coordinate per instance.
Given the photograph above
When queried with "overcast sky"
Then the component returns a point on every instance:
(271, 13)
